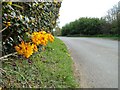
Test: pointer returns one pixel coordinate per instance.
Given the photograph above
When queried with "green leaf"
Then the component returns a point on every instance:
(17, 6)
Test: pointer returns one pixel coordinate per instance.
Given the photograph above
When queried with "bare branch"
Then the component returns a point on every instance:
(8, 55)
(3, 29)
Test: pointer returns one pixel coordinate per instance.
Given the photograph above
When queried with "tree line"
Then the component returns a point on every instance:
(107, 25)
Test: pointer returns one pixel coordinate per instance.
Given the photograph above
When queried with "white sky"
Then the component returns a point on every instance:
(74, 9)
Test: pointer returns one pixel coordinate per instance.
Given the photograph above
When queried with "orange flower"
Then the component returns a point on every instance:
(34, 47)
(25, 49)
(18, 50)
(50, 37)
(42, 32)
(39, 38)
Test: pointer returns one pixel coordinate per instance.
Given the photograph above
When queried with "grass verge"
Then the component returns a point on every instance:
(112, 37)
(51, 68)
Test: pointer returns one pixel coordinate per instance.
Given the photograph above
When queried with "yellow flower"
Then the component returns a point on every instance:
(42, 32)
(35, 39)
(50, 37)
(25, 49)
(34, 47)
(28, 50)
(44, 40)
(7, 24)
(18, 50)
(39, 38)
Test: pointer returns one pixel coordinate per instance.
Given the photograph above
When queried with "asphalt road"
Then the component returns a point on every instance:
(96, 60)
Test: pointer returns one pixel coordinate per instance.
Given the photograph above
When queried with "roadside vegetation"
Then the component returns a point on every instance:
(51, 68)
(107, 26)
(28, 58)
(112, 37)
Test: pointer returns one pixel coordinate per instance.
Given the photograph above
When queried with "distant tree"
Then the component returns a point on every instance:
(108, 25)
(118, 17)
(83, 26)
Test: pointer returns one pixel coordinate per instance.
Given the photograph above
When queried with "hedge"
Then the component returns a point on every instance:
(21, 19)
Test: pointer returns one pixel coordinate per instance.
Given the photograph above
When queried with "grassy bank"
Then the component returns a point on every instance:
(113, 37)
(51, 68)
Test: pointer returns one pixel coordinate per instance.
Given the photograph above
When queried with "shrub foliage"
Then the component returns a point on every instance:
(90, 26)
(21, 19)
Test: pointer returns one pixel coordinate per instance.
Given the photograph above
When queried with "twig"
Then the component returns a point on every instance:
(4, 59)
(8, 55)
(3, 29)
(2, 70)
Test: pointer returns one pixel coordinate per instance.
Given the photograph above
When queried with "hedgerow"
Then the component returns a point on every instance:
(27, 24)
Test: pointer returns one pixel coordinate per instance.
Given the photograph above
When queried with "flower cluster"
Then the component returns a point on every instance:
(50, 37)
(26, 49)
(40, 38)
(37, 38)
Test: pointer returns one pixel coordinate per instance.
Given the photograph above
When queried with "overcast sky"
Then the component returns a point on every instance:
(74, 9)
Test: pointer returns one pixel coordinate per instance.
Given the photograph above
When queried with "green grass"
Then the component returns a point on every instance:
(113, 37)
(51, 68)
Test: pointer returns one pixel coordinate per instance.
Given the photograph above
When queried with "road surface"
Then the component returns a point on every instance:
(96, 60)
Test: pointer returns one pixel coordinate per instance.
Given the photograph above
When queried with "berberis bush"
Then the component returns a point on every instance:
(27, 25)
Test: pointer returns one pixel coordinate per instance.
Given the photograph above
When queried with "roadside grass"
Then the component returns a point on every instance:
(112, 37)
(51, 68)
